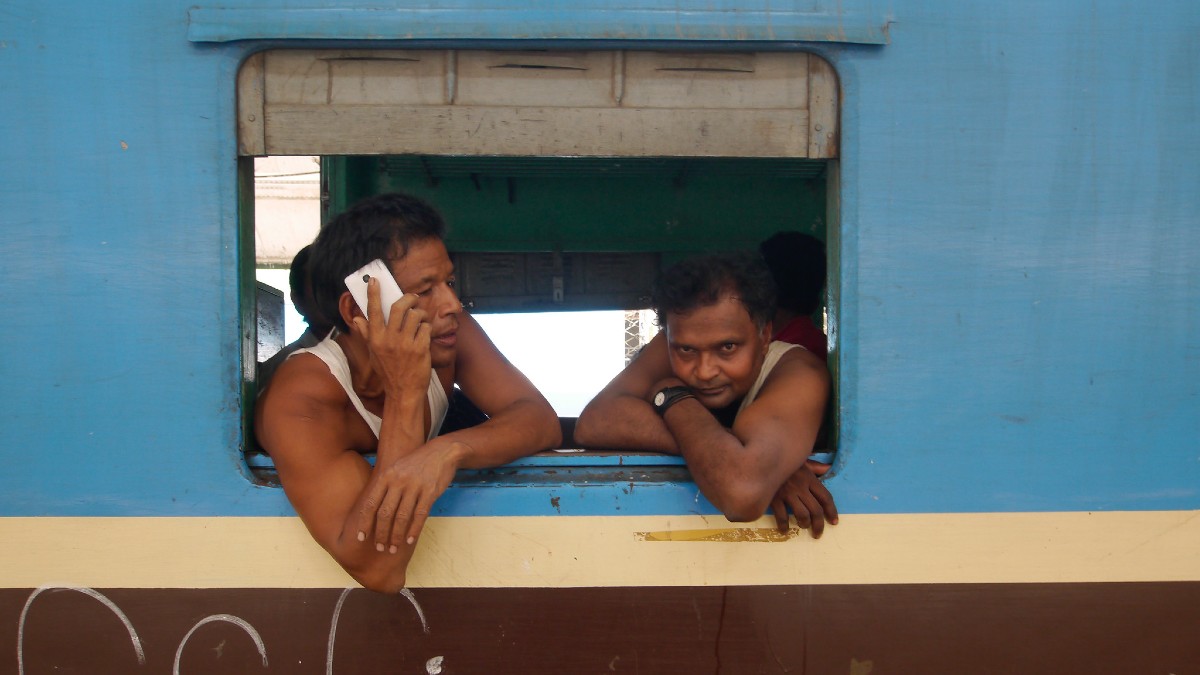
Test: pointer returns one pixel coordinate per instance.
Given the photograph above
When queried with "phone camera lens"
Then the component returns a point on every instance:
(366, 278)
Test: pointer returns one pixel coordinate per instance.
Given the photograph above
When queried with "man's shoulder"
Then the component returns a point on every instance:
(798, 365)
(303, 392)
(303, 378)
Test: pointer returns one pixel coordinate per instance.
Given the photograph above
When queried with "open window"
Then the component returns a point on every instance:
(567, 179)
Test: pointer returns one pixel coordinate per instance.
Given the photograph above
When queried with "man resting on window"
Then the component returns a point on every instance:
(742, 410)
(383, 387)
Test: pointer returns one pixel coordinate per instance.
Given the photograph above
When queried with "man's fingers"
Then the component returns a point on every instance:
(404, 315)
(400, 526)
(826, 499)
(418, 522)
(816, 515)
(779, 510)
(383, 519)
(800, 511)
(424, 331)
(367, 507)
(372, 304)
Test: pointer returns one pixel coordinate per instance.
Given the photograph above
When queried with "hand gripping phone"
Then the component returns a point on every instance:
(389, 291)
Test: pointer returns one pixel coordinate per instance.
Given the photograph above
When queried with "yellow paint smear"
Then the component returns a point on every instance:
(740, 534)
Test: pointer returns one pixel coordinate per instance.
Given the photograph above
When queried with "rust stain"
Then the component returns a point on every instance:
(727, 535)
(554, 502)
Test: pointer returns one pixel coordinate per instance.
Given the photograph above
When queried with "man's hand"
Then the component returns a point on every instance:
(399, 498)
(400, 347)
(806, 497)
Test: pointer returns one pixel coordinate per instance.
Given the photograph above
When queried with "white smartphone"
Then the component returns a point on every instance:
(389, 290)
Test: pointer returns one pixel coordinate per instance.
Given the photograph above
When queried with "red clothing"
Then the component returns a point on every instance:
(802, 331)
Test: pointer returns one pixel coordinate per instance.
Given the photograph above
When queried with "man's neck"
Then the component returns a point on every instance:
(358, 360)
(727, 414)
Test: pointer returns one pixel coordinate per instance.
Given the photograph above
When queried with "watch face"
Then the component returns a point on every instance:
(659, 398)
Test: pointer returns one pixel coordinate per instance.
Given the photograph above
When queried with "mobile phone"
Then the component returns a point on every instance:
(389, 290)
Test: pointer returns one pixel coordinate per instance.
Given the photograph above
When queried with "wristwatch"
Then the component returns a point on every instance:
(669, 396)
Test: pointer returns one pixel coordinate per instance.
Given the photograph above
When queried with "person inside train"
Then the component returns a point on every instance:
(316, 328)
(797, 264)
(742, 409)
(382, 386)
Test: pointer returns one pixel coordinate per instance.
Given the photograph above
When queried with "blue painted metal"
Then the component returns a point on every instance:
(1017, 327)
(492, 20)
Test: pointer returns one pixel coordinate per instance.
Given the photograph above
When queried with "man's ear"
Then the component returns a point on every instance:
(768, 332)
(348, 309)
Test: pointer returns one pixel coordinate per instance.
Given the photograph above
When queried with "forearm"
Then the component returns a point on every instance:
(638, 428)
(327, 495)
(403, 428)
(522, 428)
(731, 475)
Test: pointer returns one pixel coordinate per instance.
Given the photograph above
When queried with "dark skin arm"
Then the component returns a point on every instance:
(759, 463)
(368, 518)
(520, 422)
(620, 416)
(316, 437)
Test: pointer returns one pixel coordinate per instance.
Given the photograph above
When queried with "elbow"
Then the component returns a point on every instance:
(585, 429)
(590, 431)
(550, 428)
(379, 578)
(743, 514)
(742, 505)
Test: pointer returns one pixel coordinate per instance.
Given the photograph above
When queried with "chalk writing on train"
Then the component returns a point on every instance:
(433, 666)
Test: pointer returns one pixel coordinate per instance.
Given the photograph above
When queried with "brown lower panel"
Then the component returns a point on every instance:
(859, 630)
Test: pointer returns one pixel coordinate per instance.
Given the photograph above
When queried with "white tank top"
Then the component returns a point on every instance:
(775, 350)
(330, 352)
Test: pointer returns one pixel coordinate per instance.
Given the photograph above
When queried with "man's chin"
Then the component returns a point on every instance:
(714, 400)
(442, 358)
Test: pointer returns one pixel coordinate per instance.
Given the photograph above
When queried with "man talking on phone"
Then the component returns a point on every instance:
(382, 386)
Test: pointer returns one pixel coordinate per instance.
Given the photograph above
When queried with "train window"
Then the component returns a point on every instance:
(568, 179)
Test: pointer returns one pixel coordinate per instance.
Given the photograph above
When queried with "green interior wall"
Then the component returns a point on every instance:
(671, 206)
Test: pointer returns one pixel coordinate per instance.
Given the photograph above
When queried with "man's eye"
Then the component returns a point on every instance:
(729, 347)
(452, 282)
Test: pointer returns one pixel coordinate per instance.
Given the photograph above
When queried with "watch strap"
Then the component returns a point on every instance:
(669, 396)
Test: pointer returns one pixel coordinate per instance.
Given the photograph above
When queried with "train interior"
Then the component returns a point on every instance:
(551, 236)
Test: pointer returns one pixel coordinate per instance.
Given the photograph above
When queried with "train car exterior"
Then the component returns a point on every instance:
(1015, 331)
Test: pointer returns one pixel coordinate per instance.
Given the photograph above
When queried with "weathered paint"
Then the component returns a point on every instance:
(975, 628)
(819, 21)
(1017, 288)
(628, 551)
(1016, 335)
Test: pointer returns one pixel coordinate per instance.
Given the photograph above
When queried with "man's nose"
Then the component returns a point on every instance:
(448, 302)
(706, 367)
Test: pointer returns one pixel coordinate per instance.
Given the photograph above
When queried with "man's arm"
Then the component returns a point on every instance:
(520, 423)
(743, 471)
(314, 434)
(520, 420)
(621, 416)
(304, 423)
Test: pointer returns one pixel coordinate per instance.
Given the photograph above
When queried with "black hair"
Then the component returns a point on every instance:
(298, 284)
(797, 263)
(382, 227)
(698, 282)
(300, 287)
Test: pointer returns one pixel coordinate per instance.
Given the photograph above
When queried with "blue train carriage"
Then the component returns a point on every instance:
(1008, 196)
